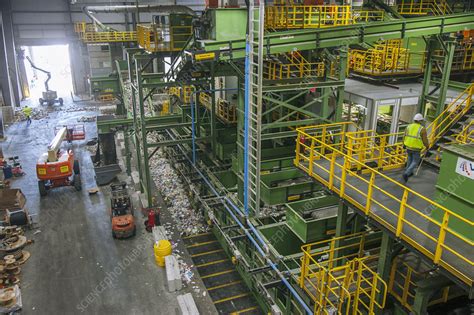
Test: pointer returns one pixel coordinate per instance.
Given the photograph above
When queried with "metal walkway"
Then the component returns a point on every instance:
(403, 210)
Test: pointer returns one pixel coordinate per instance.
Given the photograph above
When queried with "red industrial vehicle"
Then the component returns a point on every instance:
(121, 212)
(56, 167)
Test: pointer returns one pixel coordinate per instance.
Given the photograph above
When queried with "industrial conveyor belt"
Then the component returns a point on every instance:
(424, 184)
(223, 282)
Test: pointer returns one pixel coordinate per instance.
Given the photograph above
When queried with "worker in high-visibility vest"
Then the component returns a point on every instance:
(415, 140)
(27, 111)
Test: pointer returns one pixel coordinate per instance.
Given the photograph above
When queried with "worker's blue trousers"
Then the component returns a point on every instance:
(412, 162)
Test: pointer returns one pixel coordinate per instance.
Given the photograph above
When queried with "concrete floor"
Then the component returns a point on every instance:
(76, 266)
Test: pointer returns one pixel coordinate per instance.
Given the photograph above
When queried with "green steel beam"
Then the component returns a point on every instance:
(307, 39)
(298, 84)
(448, 62)
(289, 106)
(105, 125)
(175, 142)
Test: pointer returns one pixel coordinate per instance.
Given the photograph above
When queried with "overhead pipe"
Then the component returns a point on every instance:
(175, 9)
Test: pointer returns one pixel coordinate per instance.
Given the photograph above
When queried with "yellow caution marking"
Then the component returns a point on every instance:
(224, 285)
(245, 310)
(231, 298)
(218, 273)
(201, 244)
(195, 235)
(215, 262)
(207, 253)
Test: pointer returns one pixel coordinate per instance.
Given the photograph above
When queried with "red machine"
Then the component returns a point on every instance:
(153, 215)
(57, 168)
(74, 132)
(121, 212)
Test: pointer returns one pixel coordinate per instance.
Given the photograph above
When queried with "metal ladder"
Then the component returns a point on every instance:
(253, 107)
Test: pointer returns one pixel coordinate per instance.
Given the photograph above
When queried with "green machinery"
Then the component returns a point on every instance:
(210, 152)
(455, 186)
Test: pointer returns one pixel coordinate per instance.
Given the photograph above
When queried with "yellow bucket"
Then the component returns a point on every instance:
(161, 249)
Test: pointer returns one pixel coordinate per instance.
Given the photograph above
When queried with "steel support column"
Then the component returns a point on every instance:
(341, 77)
(7, 24)
(341, 229)
(135, 118)
(385, 262)
(128, 154)
(143, 133)
(213, 110)
(425, 290)
(448, 62)
(430, 46)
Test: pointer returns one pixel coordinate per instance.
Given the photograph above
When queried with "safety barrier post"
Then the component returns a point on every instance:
(311, 157)
(297, 160)
(331, 170)
(441, 237)
(343, 177)
(401, 214)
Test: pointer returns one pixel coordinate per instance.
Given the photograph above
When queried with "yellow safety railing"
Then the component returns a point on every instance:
(337, 274)
(452, 113)
(424, 7)
(88, 34)
(154, 38)
(463, 59)
(186, 92)
(307, 16)
(398, 208)
(224, 110)
(467, 134)
(174, 90)
(205, 100)
(364, 16)
(375, 150)
(386, 58)
(404, 277)
(296, 67)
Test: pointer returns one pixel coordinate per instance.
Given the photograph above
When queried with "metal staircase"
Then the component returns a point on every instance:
(181, 61)
(253, 107)
(453, 125)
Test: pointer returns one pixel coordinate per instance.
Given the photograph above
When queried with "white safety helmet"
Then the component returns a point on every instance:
(418, 117)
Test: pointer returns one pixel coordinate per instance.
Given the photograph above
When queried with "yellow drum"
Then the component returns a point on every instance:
(161, 249)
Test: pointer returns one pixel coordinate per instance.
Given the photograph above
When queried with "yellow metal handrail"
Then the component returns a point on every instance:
(467, 134)
(397, 208)
(424, 7)
(453, 112)
(224, 110)
(386, 58)
(334, 273)
(205, 100)
(404, 278)
(363, 16)
(154, 38)
(369, 148)
(307, 16)
(88, 34)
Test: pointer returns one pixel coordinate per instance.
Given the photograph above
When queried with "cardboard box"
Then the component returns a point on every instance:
(11, 199)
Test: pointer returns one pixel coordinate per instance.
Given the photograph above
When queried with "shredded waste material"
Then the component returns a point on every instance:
(188, 220)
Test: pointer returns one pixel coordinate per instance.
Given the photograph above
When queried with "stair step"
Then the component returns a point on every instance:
(432, 162)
